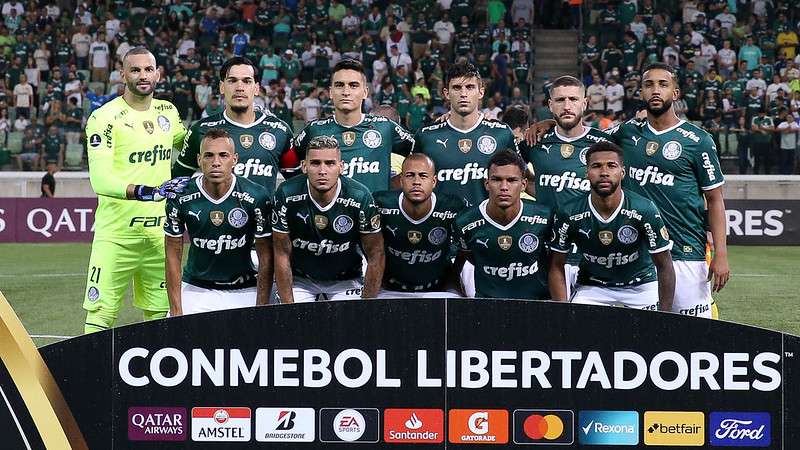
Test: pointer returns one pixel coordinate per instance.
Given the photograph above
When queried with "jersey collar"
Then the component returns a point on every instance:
(477, 124)
(417, 222)
(363, 116)
(572, 139)
(658, 133)
(258, 120)
(333, 201)
(482, 209)
(612, 216)
(210, 198)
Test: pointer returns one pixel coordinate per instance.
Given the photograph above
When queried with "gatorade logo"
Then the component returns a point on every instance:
(674, 428)
(478, 426)
(544, 426)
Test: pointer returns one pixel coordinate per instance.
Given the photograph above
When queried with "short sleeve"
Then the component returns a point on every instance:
(707, 167)
(459, 237)
(402, 140)
(262, 212)
(174, 226)
(179, 129)
(300, 142)
(369, 218)
(280, 224)
(656, 232)
(186, 164)
(562, 235)
(615, 134)
(415, 147)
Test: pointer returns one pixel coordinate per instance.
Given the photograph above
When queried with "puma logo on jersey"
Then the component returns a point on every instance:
(253, 166)
(393, 230)
(586, 232)
(304, 217)
(547, 148)
(635, 140)
(443, 142)
(195, 214)
(651, 175)
(471, 171)
(484, 243)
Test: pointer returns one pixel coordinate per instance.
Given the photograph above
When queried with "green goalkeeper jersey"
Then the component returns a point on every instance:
(366, 147)
(326, 240)
(259, 145)
(615, 251)
(673, 168)
(127, 146)
(510, 260)
(417, 251)
(221, 232)
(462, 156)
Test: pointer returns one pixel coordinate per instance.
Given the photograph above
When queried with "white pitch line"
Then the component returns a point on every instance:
(42, 275)
(50, 336)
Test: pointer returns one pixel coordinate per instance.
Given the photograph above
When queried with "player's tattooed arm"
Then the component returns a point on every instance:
(719, 270)
(376, 260)
(265, 270)
(282, 247)
(538, 129)
(556, 277)
(666, 279)
(173, 249)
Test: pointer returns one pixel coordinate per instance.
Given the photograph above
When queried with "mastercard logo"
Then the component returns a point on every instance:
(544, 427)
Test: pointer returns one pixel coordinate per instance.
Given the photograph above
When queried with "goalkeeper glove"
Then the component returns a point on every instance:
(169, 189)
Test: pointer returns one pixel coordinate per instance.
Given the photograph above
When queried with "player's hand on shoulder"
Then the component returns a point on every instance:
(535, 132)
(169, 189)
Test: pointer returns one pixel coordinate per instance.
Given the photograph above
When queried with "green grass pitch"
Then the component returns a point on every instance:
(45, 283)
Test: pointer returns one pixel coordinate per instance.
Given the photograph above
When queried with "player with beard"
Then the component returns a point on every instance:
(674, 163)
(366, 140)
(621, 237)
(262, 140)
(559, 158)
(129, 143)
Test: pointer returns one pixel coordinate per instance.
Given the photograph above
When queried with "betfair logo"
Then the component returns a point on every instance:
(676, 428)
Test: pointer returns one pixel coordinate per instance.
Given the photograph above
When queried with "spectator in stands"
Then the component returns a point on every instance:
(52, 152)
(762, 128)
(81, 41)
(23, 95)
(28, 159)
(99, 54)
(615, 93)
(787, 129)
(596, 94)
(311, 106)
(750, 53)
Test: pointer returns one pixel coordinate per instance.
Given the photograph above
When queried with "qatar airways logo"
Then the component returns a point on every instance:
(471, 171)
(651, 175)
(567, 180)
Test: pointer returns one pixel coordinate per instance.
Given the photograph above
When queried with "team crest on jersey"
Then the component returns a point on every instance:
(672, 150)
(148, 126)
(372, 139)
(627, 234)
(606, 237)
(651, 148)
(349, 137)
(528, 243)
(93, 295)
(217, 217)
(237, 218)
(267, 140)
(487, 145)
(95, 140)
(582, 155)
(567, 150)
(163, 122)
(664, 233)
(437, 236)
(464, 145)
(342, 224)
(246, 140)
(504, 242)
(414, 236)
(375, 222)
(320, 221)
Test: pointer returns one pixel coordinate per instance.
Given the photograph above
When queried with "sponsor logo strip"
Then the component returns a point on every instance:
(608, 428)
(478, 426)
(740, 429)
(221, 424)
(544, 427)
(285, 425)
(157, 424)
(413, 426)
(679, 428)
(356, 425)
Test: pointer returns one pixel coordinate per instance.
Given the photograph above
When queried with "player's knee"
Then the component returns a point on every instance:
(99, 320)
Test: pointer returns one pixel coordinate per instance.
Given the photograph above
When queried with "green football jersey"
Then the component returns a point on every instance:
(326, 240)
(511, 260)
(417, 251)
(260, 146)
(616, 251)
(221, 232)
(366, 147)
(462, 156)
(672, 168)
(559, 166)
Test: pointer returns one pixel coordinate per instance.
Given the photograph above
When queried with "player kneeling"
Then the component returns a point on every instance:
(223, 214)
(620, 234)
(417, 227)
(319, 222)
(505, 236)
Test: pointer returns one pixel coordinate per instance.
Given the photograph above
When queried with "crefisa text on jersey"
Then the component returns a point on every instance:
(469, 369)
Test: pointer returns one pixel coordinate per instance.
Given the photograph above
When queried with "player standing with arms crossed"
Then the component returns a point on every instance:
(130, 141)
(320, 223)
(224, 215)
(619, 235)
(366, 141)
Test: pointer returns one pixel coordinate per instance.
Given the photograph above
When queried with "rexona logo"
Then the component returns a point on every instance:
(676, 428)
(221, 424)
(478, 426)
(740, 429)
(349, 425)
(413, 426)
(285, 425)
(608, 428)
(544, 427)
(157, 424)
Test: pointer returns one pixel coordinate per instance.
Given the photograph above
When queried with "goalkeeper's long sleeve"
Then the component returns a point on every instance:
(100, 145)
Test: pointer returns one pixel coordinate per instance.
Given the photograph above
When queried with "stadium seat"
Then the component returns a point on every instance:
(12, 115)
(84, 75)
(3, 138)
(73, 156)
(94, 85)
(15, 139)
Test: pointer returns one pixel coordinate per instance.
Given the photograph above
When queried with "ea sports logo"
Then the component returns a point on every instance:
(549, 427)
(349, 425)
(221, 416)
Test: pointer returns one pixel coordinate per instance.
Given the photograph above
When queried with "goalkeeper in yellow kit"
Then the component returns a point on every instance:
(130, 141)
